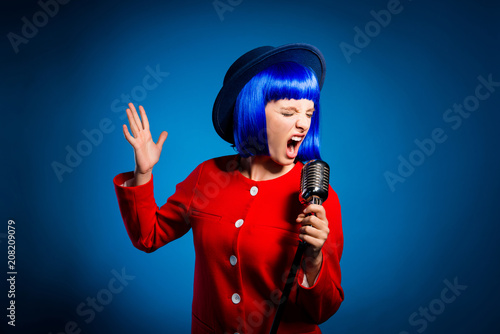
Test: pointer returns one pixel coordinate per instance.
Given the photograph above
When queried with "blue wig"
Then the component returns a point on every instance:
(286, 80)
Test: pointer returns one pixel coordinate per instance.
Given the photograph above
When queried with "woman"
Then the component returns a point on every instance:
(244, 209)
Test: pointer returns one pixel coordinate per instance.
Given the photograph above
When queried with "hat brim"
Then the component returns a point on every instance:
(304, 54)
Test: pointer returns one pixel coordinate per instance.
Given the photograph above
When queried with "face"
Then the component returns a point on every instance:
(288, 122)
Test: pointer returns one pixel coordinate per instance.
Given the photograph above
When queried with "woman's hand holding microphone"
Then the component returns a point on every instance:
(146, 152)
(314, 231)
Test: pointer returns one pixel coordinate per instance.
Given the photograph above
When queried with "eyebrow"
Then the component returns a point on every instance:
(294, 109)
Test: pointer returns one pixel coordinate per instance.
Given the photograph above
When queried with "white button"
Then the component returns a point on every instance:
(238, 223)
(236, 298)
(254, 190)
(233, 260)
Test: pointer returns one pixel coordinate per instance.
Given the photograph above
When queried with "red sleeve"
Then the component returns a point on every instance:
(148, 226)
(323, 299)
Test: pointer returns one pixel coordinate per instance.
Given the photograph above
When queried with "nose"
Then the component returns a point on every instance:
(303, 123)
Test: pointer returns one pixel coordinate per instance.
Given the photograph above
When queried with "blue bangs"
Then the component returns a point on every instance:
(287, 80)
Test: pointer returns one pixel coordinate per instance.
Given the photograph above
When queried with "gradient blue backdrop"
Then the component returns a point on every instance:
(442, 223)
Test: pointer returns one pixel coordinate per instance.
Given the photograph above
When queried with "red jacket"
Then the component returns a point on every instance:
(245, 237)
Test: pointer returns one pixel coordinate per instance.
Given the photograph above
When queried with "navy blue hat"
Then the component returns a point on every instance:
(251, 63)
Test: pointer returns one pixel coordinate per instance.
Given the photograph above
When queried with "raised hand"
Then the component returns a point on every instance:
(146, 152)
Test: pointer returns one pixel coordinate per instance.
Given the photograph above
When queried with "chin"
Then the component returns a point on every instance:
(283, 161)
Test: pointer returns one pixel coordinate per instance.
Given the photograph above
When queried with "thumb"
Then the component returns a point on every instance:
(161, 139)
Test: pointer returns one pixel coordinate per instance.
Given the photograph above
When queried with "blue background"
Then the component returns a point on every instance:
(401, 244)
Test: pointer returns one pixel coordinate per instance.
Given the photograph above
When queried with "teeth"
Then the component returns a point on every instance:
(296, 138)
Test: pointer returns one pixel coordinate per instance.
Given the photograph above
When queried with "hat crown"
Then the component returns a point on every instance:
(244, 60)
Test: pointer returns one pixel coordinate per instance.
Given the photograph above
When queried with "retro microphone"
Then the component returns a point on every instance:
(314, 181)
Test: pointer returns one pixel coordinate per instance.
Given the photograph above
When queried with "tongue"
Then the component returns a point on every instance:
(290, 150)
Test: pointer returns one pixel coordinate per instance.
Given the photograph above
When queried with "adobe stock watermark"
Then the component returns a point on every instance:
(421, 318)
(454, 118)
(87, 310)
(93, 138)
(29, 28)
(222, 6)
(373, 28)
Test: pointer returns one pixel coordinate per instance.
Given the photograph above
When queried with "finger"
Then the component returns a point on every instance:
(161, 140)
(314, 208)
(145, 121)
(317, 209)
(304, 220)
(300, 217)
(313, 237)
(131, 121)
(127, 134)
(136, 116)
(316, 224)
(313, 221)
(313, 232)
(315, 243)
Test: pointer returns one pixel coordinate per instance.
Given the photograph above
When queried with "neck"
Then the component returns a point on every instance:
(261, 168)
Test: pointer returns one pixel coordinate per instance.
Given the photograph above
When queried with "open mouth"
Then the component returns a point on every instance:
(292, 146)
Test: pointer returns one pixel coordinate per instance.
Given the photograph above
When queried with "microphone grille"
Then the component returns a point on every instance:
(314, 178)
